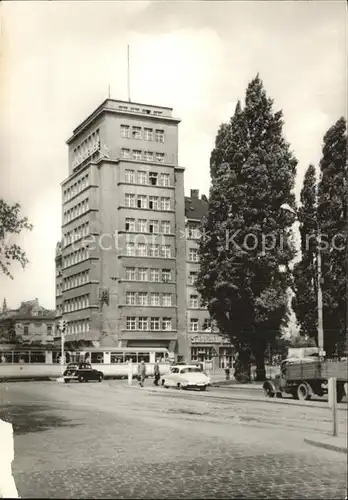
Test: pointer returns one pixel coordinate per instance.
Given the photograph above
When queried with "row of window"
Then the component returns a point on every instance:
(75, 188)
(77, 326)
(147, 226)
(193, 255)
(193, 232)
(76, 303)
(148, 324)
(76, 234)
(137, 154)
(75, 211)
(89, 146)
(143, 201)
(48, 328)
(146, 299)
(76, 257)
(147, 134)
(76, 280)
(138, 110)
(147, 178)
(143, 250)
(144, 274)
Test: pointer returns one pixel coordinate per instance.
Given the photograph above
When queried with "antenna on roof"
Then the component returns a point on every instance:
(109, 92)
(128, 74)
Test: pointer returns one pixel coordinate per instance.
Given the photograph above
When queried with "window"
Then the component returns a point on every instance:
(125, 131)
(142, 250)
(130, 225)
(193, 255)
(131, 323)
(148, 134)
(166, 275)
(130, 249)
(159, 135)
(142, 299)
(154, 275)
(158, 113)
(136, 154)
(153, 202)
(142, 201)
(153, 226)
(165, 180)
(125, 153)
(155, 324)
(165, 227)
(129, 176)
(153, 178)
(142, 178)
(193, 325)
(130, 273)
(142, 274)
(148, 156)
(166, 324)
(136, 132)
(155, 299)
(143, 323)
(142, 226)
(154, 250)
(167, 299)
(160, 157)
(129, 200)
(130, 298)
(166, 250)
(26, 330)
(165, 203)
(192, 278)
(193, 232)
(194, 301)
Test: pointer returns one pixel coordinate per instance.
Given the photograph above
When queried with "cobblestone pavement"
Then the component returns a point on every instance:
(110, 441)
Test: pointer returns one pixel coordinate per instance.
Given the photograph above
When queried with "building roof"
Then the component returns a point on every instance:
(195, 207)
(29, 310)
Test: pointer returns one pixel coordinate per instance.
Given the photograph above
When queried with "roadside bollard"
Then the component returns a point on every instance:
(7, 484)
(332, 393)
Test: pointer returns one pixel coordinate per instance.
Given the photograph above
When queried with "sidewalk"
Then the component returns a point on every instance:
(338, 443)
(218, 379)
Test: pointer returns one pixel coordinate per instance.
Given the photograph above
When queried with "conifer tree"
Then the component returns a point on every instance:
(252, 174)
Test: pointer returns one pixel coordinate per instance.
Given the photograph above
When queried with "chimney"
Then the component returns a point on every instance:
(195, 193)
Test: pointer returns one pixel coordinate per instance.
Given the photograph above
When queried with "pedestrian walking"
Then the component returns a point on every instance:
(130, 372)
(157, 374)
(228, 372)
(141, 373)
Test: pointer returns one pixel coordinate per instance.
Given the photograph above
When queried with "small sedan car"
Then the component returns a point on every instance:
(83, 372)
(186, 377)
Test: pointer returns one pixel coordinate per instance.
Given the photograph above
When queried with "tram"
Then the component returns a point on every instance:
(17, 362)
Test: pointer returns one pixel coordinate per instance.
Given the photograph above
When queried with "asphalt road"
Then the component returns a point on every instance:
(110, 441)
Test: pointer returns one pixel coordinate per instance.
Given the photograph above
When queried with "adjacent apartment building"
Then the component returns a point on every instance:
(204, 344)
(126, 263)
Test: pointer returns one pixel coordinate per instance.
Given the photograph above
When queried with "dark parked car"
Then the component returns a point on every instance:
(83, 372)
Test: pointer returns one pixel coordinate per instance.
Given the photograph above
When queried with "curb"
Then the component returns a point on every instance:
(331, 447)
(236, 385)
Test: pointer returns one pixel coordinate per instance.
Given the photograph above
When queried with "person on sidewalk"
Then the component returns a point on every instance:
(157, 374)
(130, 372)
(228, 372)
(142, 373)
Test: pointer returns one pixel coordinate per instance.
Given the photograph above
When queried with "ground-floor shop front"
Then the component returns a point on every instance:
(214, 351)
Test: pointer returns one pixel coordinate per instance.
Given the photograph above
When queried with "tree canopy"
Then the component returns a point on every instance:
(11, 223)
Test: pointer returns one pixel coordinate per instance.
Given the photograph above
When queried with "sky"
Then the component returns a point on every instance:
(57, 60)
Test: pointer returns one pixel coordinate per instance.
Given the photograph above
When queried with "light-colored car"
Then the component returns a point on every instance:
(186, 377)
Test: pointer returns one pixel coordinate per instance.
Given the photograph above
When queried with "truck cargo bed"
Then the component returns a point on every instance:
(322, 370)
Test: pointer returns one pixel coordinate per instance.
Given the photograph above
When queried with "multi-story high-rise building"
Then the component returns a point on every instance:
(203, 343)
(120, 267)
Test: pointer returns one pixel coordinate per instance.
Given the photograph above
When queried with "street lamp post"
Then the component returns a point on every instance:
(62, 326)
(287, 208)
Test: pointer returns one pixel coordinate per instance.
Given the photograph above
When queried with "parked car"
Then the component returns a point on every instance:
(83, 372)
(186, 377)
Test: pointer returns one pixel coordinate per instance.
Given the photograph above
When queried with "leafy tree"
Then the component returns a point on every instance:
(304, 302)
(332, 216)
(8, 331)
(240, 280)
(11, 223)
